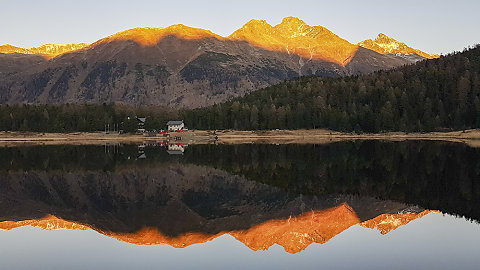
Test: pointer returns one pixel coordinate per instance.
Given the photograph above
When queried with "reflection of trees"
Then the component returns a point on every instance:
(441, 176)
(434, 175)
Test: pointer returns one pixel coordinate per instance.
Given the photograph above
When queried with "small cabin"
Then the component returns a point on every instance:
(175, 125)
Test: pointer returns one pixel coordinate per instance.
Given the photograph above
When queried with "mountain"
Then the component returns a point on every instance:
(433, 95)
(181, 66)
(46, 50)
(7, 48)
(152, 36)
(294, 36)
(386, 45)
(17, 62)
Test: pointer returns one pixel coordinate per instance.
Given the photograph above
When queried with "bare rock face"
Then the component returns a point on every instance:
(386, 45)
(181, 66)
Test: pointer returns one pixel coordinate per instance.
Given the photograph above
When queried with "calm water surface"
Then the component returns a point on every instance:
(362, 205)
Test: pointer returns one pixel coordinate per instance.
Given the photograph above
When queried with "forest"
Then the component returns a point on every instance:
(438, 94)
(431, 95)
(82, 117)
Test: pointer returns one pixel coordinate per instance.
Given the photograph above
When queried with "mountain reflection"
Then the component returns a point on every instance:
(291, 195)
(294, 234)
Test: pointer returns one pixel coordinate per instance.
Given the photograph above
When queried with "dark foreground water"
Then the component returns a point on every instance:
(362, 205)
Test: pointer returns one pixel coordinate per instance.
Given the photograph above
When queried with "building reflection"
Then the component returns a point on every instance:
(176, 148)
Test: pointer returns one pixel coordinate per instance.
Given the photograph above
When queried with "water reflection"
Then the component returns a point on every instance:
(292, 195)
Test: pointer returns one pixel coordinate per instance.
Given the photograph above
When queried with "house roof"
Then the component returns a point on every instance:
(142, 119)
(174, 123)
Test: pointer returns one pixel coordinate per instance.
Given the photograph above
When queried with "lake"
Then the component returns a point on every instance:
(344, 205)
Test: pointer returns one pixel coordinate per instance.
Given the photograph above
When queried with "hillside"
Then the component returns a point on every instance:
(181, 66)
(435, 94)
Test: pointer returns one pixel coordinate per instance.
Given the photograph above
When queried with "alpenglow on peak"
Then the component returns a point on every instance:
(386, 45)
(294, 36)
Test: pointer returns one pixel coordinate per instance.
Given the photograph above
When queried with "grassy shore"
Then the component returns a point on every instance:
(317, 136)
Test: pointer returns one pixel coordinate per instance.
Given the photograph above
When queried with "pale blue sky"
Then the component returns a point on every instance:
(433, 26)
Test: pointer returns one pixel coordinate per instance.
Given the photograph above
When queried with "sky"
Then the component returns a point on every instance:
(432, 26)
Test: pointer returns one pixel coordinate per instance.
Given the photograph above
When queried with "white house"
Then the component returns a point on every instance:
(175, 125)
(176, 149)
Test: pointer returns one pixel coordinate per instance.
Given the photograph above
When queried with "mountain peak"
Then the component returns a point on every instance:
(256, 22)
(252, 27)
(294, 36)
(382, 36)
(384, 39)
(293, 21)
(294, 27)
(46, 50)
(148, 36)
(386, 45)
(7, 48)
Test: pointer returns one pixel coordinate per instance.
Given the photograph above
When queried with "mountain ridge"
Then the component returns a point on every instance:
(294, 35)
(149, 36)
(181, 66)
(47, 50)
(386, 45)
(278, 39)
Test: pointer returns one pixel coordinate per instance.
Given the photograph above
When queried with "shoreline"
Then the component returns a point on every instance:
(317, 136)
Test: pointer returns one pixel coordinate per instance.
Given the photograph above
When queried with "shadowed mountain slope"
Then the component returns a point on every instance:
(185, 66)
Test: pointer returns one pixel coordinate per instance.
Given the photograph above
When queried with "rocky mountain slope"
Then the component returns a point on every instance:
(46, 50)
(386, 45)
(184, 66)
(294, 36)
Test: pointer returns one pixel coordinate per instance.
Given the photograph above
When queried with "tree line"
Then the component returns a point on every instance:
(82, 117)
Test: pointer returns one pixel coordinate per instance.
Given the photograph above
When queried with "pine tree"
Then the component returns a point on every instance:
(254, 118)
